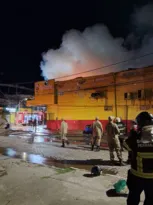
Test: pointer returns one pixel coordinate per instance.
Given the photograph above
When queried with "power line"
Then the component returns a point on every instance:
(106, 66)
(15, 86)
(25, 83)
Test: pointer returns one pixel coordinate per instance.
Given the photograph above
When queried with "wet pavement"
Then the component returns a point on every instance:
(40, 137)
(38, 159)
(75, 137)
(42, 148)
(45, 149)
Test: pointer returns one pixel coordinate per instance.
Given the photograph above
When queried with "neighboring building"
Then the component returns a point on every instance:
(123, 94)
(12, 101)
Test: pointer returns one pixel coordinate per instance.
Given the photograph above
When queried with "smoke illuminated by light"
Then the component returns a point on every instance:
(95, 47)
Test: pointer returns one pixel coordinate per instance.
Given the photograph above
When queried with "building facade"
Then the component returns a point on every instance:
(79, 101)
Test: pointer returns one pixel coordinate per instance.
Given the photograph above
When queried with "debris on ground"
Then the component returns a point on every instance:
(109, 170)
(98, 170)
(45, 177)
(64, 170)
(120, 186)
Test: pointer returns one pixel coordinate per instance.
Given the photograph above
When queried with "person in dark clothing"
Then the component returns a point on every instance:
(140, 175)
(34, 124)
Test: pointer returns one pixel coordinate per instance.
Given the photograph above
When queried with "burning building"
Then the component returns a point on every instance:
(123, 94)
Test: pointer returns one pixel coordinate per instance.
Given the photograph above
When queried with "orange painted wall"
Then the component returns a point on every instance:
(41, 100)
(44, 94)
(81, 106)
(75, 102)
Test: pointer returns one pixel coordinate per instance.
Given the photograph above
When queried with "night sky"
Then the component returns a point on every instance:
(27, 30)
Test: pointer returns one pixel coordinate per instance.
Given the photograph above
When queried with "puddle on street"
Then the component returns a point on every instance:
(38, 159)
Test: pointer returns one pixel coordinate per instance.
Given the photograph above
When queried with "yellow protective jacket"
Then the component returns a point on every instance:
(64, 127)
(141, 147)
(112, 131)
(97, 129)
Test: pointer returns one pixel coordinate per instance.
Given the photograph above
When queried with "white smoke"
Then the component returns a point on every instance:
(95, 47)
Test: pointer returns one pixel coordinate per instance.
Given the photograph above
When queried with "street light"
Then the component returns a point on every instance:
(18, 106)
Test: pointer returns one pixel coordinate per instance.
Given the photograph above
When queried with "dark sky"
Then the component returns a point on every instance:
(28, 29)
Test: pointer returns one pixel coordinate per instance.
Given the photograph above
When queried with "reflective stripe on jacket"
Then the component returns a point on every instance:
(142, 155)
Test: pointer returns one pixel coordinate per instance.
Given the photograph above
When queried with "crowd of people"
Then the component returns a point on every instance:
(115, 132)
(139, 144)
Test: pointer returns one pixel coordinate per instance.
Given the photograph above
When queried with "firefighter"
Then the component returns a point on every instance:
(140, 176)
(97, 134)
(64, 130)
(122, 129)
(113, 132)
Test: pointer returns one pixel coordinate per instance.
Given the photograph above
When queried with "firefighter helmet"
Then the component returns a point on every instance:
(111, 118)
(117, 119)
(144, 119)
(96, 171)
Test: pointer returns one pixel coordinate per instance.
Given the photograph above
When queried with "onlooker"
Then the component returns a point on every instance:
(34, 124)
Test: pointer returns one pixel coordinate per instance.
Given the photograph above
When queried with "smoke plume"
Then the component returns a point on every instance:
(95, 47)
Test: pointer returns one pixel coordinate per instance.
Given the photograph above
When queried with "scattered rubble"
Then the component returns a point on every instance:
(110, 170)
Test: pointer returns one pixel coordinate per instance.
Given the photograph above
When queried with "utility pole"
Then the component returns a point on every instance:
(19, 104)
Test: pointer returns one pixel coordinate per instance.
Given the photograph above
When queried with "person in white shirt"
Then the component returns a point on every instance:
(97, 134)
(64, 131)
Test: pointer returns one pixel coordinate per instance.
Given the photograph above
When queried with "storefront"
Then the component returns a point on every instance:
(27, 117)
